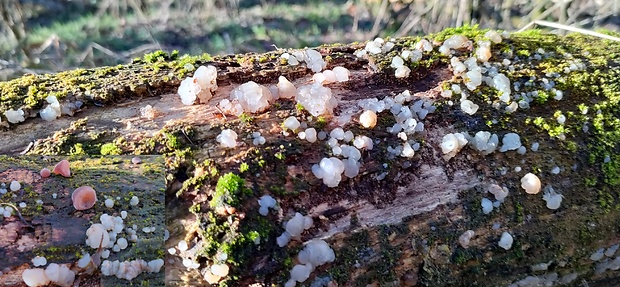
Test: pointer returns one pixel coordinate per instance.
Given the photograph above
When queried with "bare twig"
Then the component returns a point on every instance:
(569, 28)
(18, 213)
(375, 27)
(25, 151)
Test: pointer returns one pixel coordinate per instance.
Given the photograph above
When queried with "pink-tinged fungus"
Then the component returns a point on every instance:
(45, 172)
(62, 168)
(84, 197)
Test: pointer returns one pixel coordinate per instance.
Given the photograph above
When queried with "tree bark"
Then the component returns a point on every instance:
(397, 223)
(48, 225)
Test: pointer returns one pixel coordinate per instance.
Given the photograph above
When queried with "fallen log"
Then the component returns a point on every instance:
(402, 221)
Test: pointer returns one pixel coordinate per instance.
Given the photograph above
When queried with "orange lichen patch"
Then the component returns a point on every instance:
(62, 168)
(84, 198)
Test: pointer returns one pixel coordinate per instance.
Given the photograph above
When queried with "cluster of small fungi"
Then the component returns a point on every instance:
(104, 237)
(472, 67)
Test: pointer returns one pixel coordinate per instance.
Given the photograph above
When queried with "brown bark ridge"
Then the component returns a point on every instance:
(399, 221)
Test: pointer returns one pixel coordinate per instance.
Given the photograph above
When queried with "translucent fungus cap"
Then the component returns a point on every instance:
(506, 240)
(530, 183)
(45, 172)
(84, 197)
(97, 235)
(35, 277)
(62, 168)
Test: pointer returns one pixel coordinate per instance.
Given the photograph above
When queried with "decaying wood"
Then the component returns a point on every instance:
(55, 230)
(398, 222)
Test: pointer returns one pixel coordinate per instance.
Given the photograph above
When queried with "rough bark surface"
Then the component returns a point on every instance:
(398, 222)
(52, 228)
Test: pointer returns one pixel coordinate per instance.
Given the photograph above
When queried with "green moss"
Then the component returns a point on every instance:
(553, 128)
(246, 118)
(589, 181)
(321, 122)
(110, 149)
(280, 156)
(471, 32)
(543, 97)
(243, 167)
(605, 200)
(230, 187)
(611, 171)
(353, 251)
(207, 170)
(519, 212)
(461, 256)
(77, 149)
(157, 56)
(195, 208)
(299, 107)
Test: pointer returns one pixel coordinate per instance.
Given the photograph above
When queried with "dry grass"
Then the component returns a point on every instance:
(41, 36)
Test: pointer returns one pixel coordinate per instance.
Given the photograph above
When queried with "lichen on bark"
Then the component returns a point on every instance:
(402, 229)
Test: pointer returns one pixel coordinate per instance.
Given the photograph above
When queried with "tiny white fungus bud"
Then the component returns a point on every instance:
(510, 141)
(469, 107)
(182, 245)
(15, 117)
(493, 36)
(220, 270)
(530, 183)
(311, 134)
(285, 88)
(15, 185)
(487, 205)
(598, 254)
(109, 203)
(227, 138)
(341, 73)
(39, 261)
(291, 123)
(407, 150)
(397, 62)
(122, 243)
(552, 198)
(337, 133)
(505, 241)
(465, 238)
(134, 201)
(402, 72)
(368, 119)
(499, 192)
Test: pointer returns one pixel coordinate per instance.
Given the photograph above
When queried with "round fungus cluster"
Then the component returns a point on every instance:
(330, 170)
(266, 202)
(227, 138)
(316, 99)
(315, 253)
(293, 228)
(129, 270)
(252, 97)
(52, 111)
(108, 235)
(57, 274)
(200, 86)
(14, 116)
(473, 67)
